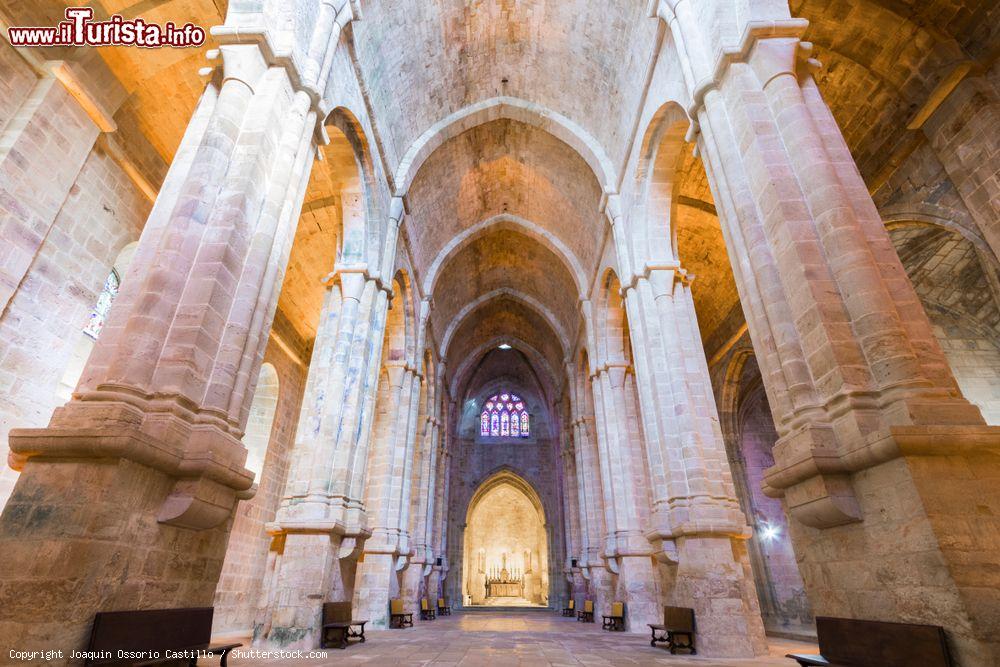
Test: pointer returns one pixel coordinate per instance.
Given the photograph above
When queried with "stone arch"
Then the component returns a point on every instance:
(923, 213)
(400, 335)
(957, 281)
(429, 371)
(505, 515)
(749, 436)
(653, 233)
(503, 292)
(359, 239)
(546, 379)
(611, 323)
(505, 221)
(510, 108)
(260, 422)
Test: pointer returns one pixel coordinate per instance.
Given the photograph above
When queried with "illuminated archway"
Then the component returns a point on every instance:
(506, 551)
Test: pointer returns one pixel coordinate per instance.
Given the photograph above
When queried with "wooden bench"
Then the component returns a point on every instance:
(587, 613)
(426, 610)
(570, 609)
(339, 626)
(149, 633)
(443, 608)
(397, 617)
(849, 642)
(616, 619)
(677, 630)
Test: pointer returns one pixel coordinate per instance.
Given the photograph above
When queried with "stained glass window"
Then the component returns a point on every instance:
(103, 305)
(504, 415)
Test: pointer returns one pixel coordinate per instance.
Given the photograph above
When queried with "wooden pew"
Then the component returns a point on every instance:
(339, 626)
(153, 631)
(677, 629)
(616, 619)
(846, 642)
(398, 618)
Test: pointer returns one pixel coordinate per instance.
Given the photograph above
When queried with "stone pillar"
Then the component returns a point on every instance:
(692, 493)
(590, 488)
(626, 550)
(385, 481)
(601, 588)
(141, 470)
(440, 546)
(318, 522)
(879, 455)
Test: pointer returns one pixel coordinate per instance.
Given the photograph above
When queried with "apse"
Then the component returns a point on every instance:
(506, 546)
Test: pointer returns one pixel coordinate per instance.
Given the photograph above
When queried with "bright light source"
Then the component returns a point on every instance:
(504, 346)
(770, 532)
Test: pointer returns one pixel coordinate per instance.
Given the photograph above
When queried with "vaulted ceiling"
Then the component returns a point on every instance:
(504, 223)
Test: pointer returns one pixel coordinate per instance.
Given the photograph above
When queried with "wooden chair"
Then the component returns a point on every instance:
(587, 613)
(570, 609)
(443, 608)
(847, 641)
(398, 617)
(616, 619)
(426, 610)
(677, 629)
(154, 630)
(339, 626)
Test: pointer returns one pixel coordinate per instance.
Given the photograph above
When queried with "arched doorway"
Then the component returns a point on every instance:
(506, 551)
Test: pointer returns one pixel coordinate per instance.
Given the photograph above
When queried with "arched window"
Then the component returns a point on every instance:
(103, 305)
(504, 415)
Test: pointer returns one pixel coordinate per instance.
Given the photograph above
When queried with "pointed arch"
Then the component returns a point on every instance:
(509, 108)
(503, 222)
(653, 233)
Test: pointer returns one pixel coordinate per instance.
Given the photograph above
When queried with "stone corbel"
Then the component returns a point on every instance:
(205, 461)
(813, 473)
(351, 548)
(665, 551)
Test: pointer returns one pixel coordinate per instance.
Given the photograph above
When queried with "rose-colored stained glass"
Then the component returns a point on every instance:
(505, 416)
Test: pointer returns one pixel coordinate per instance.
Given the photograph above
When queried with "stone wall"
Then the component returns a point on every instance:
(41, 325)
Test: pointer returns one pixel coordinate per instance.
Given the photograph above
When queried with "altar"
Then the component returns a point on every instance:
(504, 583)
(504, 589)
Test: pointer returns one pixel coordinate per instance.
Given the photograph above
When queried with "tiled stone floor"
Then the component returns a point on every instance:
(529, 639)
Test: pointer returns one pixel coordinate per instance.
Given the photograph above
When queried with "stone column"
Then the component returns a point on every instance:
(590, 488)
(317, 521)
(626, 550)
(440, 547)
(141, 470)
(879, 455)
(695, 513)
(571, 511)
(377, 572)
